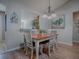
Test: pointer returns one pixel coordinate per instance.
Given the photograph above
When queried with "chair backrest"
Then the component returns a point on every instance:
(53, 34)
(35, 31)
(28, 38)
(50, 31)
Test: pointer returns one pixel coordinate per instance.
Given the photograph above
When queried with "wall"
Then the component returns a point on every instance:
(14, 37)
(66, 35)
(2, 7)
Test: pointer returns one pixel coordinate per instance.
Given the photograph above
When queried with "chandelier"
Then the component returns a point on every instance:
(50, 14)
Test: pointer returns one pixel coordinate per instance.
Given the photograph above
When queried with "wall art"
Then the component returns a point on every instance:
(14, 18)
(58, 22)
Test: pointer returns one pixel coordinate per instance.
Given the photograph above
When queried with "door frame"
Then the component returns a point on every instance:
(73, 27)
(3, 25)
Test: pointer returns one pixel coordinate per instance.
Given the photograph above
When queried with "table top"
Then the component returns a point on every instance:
(40, 37)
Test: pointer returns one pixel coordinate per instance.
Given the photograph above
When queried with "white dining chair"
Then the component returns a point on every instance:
(29, 42)
(52, 41)
(35, 31)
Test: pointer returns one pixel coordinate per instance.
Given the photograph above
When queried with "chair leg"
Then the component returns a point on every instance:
(41, 49)
(53, 48)
(49, 50)
(26, 51)
(31, 54)
(55, 45)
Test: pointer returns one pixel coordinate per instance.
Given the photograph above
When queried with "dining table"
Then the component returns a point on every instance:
(38, 38)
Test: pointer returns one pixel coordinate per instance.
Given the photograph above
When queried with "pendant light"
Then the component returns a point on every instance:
(50, 14)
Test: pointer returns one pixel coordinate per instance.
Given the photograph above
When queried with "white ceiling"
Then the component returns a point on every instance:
(39, 5)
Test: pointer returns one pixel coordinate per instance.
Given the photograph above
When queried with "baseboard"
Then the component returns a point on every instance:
(75, 41)
(10, 50)
(70, 44)
(13, 49)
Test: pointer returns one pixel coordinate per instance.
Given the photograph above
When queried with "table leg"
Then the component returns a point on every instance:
(37, 50)
(49, 49)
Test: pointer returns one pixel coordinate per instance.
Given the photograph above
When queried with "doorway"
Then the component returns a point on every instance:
(76, 27)
(2, 32)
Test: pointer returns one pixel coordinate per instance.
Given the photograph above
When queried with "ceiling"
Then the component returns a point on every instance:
(39, 5)
(42, 5)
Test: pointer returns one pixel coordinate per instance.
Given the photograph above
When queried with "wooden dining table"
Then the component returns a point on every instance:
(38, 38)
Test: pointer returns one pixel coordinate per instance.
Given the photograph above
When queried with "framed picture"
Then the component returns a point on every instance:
(35, 23)
(58, 22)
(14, 18)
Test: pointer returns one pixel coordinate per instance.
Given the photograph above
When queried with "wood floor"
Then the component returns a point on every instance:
(63, 52)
